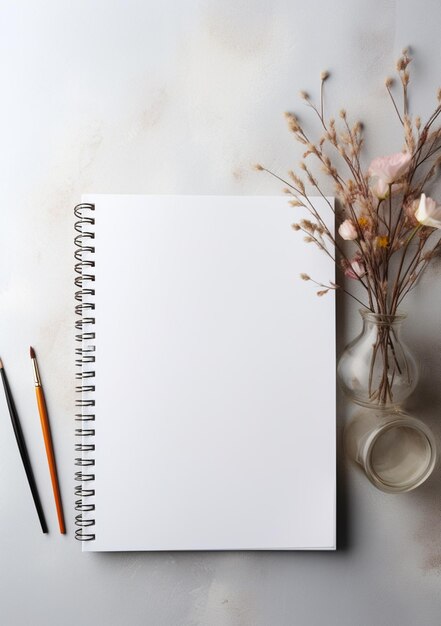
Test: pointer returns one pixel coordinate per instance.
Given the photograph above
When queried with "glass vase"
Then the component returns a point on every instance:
(378, 372)
(377, 368)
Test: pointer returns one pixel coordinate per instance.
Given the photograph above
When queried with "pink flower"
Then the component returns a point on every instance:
(356, 269)
(390, 168)
(428, 212)
(347, 230)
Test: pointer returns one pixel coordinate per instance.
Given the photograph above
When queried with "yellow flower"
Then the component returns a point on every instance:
(382, 241)
(363, 221)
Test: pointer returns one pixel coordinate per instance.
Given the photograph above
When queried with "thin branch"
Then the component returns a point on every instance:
(395, 104)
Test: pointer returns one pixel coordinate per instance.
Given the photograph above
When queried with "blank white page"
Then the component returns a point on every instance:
(215, 377)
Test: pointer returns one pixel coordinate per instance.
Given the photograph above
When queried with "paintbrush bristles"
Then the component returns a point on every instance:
(32, 352)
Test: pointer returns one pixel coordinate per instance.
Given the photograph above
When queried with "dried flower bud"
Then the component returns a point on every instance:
(342, 113)
(417, 122)
(304, 276)
(324, 75)
(295, 226)
(308, 239)
(298, 181)
(439, 94)
(258, 167)
(406, 58)
(322, 292)
(303, 95)
(308, 226)
(295, 202)
(292, 122)
(389, 82)
(401, 65)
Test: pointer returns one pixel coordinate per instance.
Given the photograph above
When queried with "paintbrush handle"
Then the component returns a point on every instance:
(23, 450)
(50, 455)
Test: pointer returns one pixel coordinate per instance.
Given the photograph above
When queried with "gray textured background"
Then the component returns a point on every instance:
(181, 97)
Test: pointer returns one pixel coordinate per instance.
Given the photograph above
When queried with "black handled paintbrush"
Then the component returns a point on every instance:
(22, 448)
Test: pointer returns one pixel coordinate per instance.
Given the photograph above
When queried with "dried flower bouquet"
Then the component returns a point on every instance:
(383, 214)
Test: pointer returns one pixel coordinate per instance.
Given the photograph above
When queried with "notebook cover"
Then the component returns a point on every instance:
(213, 398)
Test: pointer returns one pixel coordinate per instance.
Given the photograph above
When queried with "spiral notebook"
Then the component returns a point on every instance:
(206, 376)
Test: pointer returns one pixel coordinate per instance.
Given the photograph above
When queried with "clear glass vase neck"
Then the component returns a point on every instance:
(382, 319)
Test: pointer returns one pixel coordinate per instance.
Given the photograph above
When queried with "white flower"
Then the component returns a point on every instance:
(347, 230)
(428, 212)
(381, 189)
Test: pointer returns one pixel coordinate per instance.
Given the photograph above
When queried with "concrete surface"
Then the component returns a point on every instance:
(181, 97)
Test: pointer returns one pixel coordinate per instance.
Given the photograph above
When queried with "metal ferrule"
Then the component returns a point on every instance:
(37, 379)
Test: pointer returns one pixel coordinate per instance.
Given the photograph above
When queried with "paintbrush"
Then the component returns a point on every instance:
(22, 447)
(42, 409)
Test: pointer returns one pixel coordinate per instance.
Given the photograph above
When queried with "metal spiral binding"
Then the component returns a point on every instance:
(85, 359)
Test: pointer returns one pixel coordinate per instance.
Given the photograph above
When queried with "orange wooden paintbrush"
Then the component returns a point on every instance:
(47, 440)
